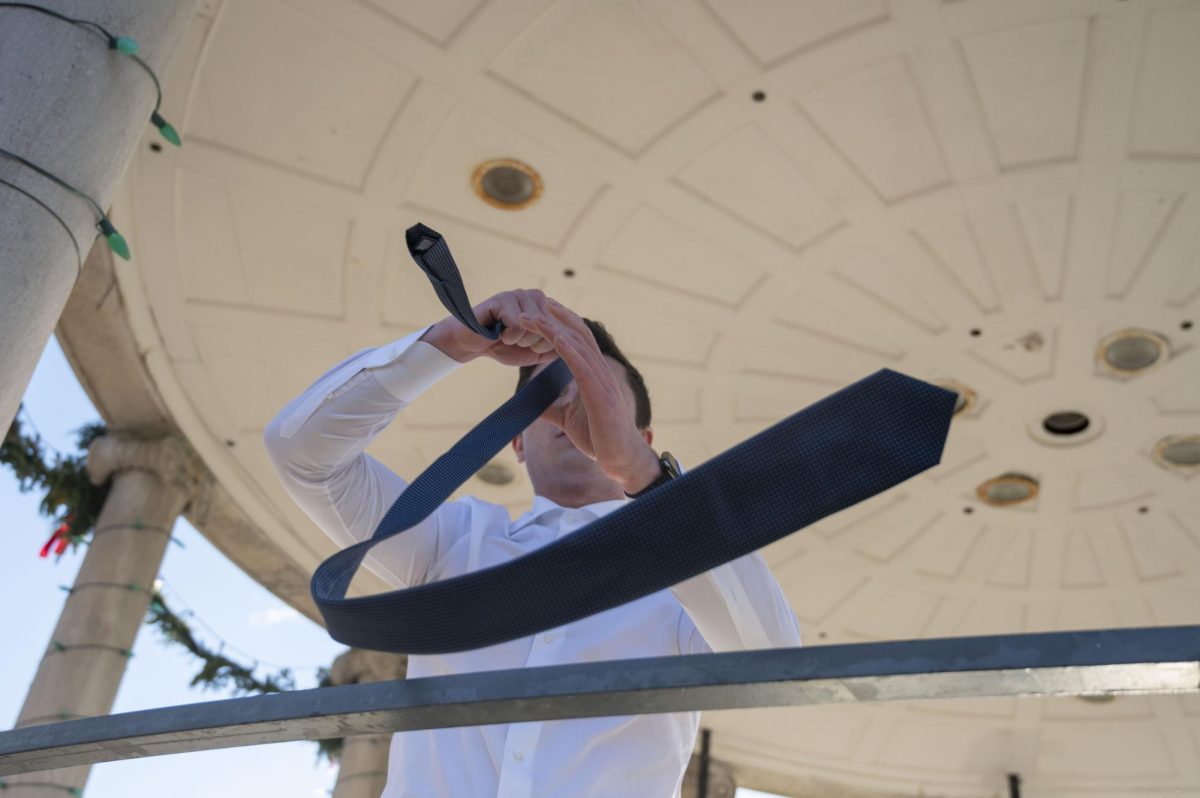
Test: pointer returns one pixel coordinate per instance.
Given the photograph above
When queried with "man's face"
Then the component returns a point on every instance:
(556, 467)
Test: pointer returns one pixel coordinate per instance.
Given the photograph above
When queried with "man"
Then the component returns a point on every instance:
(585, 455)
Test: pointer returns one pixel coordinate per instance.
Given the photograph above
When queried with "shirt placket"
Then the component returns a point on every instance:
(521, 743)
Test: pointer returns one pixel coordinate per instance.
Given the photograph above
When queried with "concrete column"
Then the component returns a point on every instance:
(362, 772)
(77, 109)
(153, 480)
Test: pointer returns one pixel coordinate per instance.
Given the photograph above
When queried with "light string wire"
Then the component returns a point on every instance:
(126, 46)
(21, 408)
(59, 219)
(114, 238)
(178, 599)
(123, 44)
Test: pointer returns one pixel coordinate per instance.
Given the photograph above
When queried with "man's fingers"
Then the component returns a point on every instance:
(559, 336)
(509, 312)
(531, 304)
(528, 339)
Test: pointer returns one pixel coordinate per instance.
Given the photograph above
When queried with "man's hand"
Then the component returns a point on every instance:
(517, 345)
(593, 410)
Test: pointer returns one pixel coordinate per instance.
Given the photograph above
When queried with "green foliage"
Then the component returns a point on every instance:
(216, 670)
(65, 482)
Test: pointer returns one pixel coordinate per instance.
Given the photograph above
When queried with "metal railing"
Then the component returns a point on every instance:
(1113, 661)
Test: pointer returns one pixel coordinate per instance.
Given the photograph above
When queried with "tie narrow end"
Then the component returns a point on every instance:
(421, 238)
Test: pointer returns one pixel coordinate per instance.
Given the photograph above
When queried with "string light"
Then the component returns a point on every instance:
(115, 240)
(128, 47)
(124, 45)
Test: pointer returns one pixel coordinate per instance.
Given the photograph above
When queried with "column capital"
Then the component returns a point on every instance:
(358, 665)
(166, 456)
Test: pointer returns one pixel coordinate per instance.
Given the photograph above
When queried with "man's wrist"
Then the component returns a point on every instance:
(647, 469)
(442, 337)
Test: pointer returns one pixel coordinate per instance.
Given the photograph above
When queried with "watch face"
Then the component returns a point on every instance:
(670, 463)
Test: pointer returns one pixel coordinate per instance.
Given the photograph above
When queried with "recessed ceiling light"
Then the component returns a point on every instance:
(507, 183)
(495, 474)
(1007, 489)
(1179, 452)
(1131, 351)
(1066, 422)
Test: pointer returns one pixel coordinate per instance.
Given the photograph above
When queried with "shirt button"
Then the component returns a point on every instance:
(548, 638)
(517, 755)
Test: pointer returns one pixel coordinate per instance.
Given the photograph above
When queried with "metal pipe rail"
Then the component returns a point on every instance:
(1147, 660)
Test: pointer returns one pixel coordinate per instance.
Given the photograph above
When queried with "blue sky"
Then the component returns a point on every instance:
(229, 608)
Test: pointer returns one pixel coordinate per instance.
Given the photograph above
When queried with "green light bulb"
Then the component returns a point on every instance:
(166, 129)
(116, 241)
(125, 45)
(168, 133)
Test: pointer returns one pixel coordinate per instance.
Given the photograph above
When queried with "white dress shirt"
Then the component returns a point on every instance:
(317, 445)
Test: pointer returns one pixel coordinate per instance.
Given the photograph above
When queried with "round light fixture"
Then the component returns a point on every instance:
(1179, 453)
(495, 474)
(1066, 422)
(507, 183)
(966, 397)
(1007, 490)
(1131, 351)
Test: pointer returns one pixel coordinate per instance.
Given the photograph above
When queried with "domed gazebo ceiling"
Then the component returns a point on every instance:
(764, 200)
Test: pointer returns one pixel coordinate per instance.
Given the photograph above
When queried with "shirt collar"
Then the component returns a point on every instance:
(543, 508)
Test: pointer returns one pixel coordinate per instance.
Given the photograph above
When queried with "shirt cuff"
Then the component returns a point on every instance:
(414, 370)
(404, 368)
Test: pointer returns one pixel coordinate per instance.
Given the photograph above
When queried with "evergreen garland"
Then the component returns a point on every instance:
(66, 482)
(67, 486)
(217, 670)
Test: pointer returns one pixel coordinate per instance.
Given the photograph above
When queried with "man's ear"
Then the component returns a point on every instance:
(648, 434)
(519, 447)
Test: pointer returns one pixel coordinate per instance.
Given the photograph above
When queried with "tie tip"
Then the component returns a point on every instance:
(421, 238)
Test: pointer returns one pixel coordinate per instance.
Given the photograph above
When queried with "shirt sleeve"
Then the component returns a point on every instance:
(735, 606)
(317, 441)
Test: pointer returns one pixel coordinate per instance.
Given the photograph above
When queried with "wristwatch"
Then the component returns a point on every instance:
(670, 470)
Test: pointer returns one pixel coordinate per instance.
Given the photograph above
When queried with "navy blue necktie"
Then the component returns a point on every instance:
(847, 447)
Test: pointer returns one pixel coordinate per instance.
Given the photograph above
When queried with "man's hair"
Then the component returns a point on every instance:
(609, 347)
